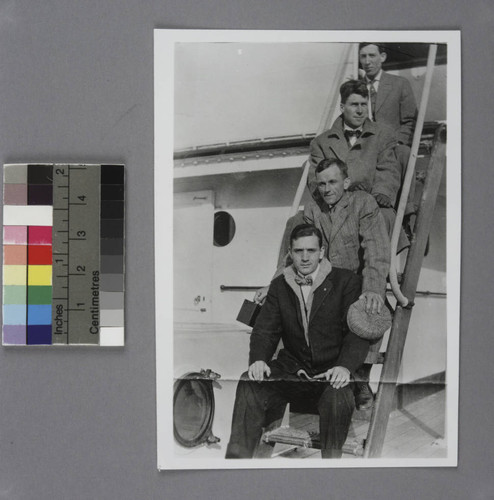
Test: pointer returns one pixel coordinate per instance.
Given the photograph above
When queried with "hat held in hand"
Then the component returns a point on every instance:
(368, 326)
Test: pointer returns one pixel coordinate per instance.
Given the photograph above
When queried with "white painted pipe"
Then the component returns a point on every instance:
(393, 273)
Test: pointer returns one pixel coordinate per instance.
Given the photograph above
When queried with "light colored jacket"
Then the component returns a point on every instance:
(355, 238)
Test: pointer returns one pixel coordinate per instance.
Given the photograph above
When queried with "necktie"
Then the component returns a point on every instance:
(372, 98)
(352, 133)
(305, 280)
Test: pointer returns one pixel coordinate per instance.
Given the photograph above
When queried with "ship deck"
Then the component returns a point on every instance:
(415, 431)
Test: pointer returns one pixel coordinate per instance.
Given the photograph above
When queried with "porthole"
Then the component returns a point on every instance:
(224, 229)
(193, 410)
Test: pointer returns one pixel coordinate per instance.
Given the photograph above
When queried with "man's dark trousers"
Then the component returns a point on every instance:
(257, 404)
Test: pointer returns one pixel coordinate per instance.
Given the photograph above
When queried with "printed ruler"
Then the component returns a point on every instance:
(65, 269)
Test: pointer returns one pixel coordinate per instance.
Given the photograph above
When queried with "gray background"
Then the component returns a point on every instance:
(76, 84)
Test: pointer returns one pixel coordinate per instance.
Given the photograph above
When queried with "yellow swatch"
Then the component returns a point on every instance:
(39, 275)
(14, 275)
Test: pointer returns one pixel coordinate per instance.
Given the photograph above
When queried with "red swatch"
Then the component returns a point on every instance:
(40, 235)
(39, 255)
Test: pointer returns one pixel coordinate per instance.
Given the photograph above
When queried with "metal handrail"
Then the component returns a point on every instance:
(393, 270)
(246, 288)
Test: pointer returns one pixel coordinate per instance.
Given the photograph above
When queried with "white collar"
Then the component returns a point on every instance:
(376, 79)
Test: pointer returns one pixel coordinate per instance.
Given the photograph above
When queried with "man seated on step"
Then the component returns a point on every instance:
(354, 238)
(306, 307)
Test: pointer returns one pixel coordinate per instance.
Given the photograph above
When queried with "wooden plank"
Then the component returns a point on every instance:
(414, 432)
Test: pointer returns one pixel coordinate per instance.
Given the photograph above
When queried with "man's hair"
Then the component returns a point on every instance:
(305, 230)
(353, 87)
(326, 163)
(379, 46)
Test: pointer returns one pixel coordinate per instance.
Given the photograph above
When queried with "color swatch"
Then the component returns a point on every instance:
(63, 254)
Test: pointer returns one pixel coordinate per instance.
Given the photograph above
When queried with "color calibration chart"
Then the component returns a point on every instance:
(63, 254)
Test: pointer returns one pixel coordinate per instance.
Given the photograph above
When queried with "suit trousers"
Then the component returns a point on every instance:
(258, 404)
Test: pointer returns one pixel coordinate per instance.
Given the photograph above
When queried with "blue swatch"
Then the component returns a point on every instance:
(39, 314)
(39, 334)
(14, 314)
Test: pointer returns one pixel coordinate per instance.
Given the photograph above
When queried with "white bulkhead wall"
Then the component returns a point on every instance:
(259, 203)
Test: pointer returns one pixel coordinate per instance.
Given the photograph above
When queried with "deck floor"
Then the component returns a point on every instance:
(416, 431)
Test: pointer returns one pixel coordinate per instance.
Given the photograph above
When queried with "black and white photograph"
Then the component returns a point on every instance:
(307, 248)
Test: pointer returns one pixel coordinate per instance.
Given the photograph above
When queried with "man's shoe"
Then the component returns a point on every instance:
(364, 399)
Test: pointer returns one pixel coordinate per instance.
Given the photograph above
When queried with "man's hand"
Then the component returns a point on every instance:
(258, 369)
(382, 200)
(373, 302)
(261, 294)
(338, 377)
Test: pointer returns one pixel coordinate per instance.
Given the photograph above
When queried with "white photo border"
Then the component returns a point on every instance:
(164, 50)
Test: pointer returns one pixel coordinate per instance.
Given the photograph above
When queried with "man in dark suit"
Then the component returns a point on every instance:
(306, 308)
(392, 102)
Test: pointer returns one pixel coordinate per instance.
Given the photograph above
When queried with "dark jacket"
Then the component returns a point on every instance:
(396, 106)
(330, 341)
